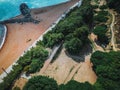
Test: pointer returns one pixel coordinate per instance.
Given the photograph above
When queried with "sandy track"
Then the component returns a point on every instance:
(60, 68)
(20, 83)
(96, 47)
(64, 68)
(19, 35)
(85, 72)
(72, 73)
(112, 30)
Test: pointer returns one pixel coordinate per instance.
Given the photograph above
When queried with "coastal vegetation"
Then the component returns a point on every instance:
(16, 88)
(33, 60)
(101, 16)
(9, 79)
(100, 27)
(45, 83)
(115, 4)
(100, 31)
(41, 83)
(30, 62)
(74, 85)
(73, 25)
(106, 66)
(73, 30)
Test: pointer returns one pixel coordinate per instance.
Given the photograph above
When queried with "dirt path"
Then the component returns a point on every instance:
(72, 73)
(47, 62)
(112, 30)
(96, 47)
(60, 68)
(64, 68)
(85, 72)
(20, 83)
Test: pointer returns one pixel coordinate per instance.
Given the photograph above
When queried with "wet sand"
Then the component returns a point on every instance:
(20, 37)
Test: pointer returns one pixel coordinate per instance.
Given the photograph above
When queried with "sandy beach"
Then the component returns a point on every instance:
(20, 37)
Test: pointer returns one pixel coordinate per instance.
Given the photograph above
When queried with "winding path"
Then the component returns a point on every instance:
(92, 37)
(112, 30)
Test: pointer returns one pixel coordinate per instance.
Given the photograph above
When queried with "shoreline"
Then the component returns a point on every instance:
(41, 9)
(40, 36)
(38, 8)
(3, 41)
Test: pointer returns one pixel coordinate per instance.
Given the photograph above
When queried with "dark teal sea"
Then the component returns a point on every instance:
(10, 8)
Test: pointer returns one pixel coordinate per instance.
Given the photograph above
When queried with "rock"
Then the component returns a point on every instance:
(25, 11)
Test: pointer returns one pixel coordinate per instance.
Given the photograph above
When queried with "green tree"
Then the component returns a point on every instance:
(74, 85)
(115, 4)
(87, 13)
(73, 46)
(16, 88)
(39, 52)
(41, 83)
(35, 66)
(51, 39)
(101, 30)
(106, 66)
(101, 17)
(82, 34)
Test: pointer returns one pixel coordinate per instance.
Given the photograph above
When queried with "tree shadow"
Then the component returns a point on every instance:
(86, 50)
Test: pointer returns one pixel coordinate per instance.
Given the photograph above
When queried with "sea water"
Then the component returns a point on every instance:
(10, 8)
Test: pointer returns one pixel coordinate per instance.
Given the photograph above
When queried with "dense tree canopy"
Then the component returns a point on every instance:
(101, 30)
(73, 30)
(115, 4)
(74, 45)
(11, 77)
(82, 34)
(35, 66)
(106, 66)
(76, 40)
(74, 85)
(100, 17)
(39, 52)
(50, 39)
(33, 59)
(41, 83)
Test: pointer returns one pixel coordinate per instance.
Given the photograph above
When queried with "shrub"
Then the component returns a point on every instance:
(35, 66)
(74, 85)
(103, 7)
(41, 83)
(52, 39)
(73, 46)
(11, 77)
(100, 18)
(106, 66)
(101, 30)
(115, 4)
(95, 6)
(16, 88)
